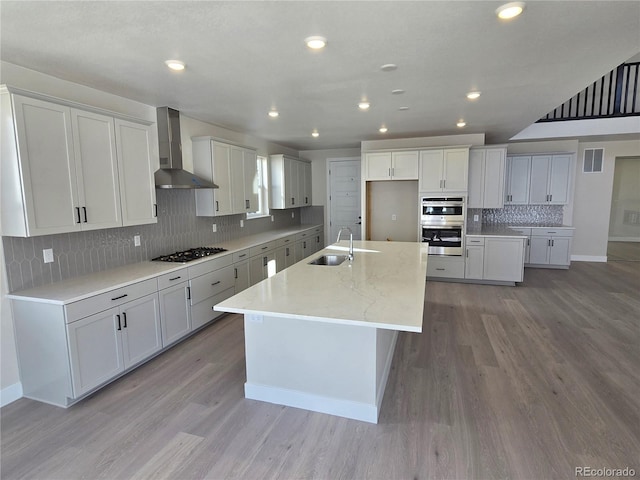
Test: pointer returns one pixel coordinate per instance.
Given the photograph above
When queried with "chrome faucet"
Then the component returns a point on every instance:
(350, 257)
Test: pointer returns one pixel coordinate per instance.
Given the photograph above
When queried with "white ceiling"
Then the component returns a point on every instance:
(243, 58)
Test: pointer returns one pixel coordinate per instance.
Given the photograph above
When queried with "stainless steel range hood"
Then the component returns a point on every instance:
(171, 174)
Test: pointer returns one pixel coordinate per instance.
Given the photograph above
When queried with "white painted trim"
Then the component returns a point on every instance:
(588, 258)
(342, 408)
(10, 394)
(387, 368)
(624, 239)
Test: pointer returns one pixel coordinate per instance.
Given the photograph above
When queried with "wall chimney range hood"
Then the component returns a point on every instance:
(171, 174)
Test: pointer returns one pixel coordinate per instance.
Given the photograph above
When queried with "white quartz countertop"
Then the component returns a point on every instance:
(85, 286)
(507, 231)
(383, 287)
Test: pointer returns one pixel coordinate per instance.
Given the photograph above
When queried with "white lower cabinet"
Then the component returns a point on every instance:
(210, 283)
(445, 267)
(551, 247)
(105, 344)
(175, 310)
(494, 258)
(474, 258)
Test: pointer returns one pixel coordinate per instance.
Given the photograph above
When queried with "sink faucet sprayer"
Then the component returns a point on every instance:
(350, 257)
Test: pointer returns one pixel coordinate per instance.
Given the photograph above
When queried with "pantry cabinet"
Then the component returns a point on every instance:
(444, 170)
(486, 177)
(65, 169)
(400, 165)
(290, 182)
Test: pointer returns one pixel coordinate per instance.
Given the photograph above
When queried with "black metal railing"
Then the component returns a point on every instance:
(616, 94)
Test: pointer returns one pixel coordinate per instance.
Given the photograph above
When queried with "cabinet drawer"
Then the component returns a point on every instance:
(241, 255)
(475, 240)
(98, 303)
(552, 232)
(203, 312)
(304, 235)
(211, 284)
(521, 231)
(445, 267)
(286, 241)
(210, 265)
(263, 248)
(173, 278)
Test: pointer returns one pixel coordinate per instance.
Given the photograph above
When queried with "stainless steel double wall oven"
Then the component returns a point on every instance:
(442, 221)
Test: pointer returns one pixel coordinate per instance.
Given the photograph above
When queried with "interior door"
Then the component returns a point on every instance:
(344, 197)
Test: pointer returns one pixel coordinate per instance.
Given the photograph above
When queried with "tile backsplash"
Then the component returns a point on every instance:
(524, 215)
(177, 229)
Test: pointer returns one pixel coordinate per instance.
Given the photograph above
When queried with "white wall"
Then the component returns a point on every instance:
(592, 199)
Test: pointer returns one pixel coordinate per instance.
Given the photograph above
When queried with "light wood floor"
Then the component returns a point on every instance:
(623, 251)
(520, 383)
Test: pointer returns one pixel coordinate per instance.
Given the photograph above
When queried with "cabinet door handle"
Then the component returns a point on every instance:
(124, 319)
(155, 209)
(78, 214)
(467, 255)
(246, 202)
(175, 278)
(306, 199)
(444, 183)
(286, 252)
(389, 172)
(216, 283)
(121, 296)
(119, 325)
(393, 172)
(84, 211)
(293, 201)
(264, 261)
(188, 293)
(304, 244)
(550, 197)
(528, 242)
(235, 270)
(217, 209)
(553, 242)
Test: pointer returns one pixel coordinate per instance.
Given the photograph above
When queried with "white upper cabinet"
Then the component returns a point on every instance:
(290, 182)
(244, 180)
(550, 179)
(65, 169)
(212, 161)
(135, 171)
(444, 170)
(401, 165)
(517, 175)
(486, 177)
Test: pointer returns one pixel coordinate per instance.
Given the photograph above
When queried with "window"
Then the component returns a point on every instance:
(593, 160)
(263, 189)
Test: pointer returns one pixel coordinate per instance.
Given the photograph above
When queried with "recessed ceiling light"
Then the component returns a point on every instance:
(402, 109)
(473, 95)
(383, 130)
(461, 123)
(388, 67)
(510, 10)
(316, 42)
(364, 105)
(397, 91)
(273, 113)
(176, 65)
(315, 134)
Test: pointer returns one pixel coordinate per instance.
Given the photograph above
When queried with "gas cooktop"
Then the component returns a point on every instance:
(189, 255)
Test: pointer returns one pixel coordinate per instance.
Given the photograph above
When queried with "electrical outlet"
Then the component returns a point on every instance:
(47, 255)
(393, 217)
(215, 228)
(293, 214)
(241, 223)
(476, 218)
(273, 219)
(136, 240)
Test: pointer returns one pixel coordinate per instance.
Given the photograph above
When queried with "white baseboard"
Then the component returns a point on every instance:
(308, 401)
(10, 394)
(588, 258)
(624, 239)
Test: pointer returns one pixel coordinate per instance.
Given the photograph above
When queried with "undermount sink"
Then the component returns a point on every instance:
(329, 260)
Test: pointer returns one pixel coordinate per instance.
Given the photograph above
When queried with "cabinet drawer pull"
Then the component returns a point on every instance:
(78, 213)
(121, 296)
(216, 283)
(551, 232)
(264, 248)
(124, 319)
(440, 269)
(175, 278)
(243, 255)
(119, 325)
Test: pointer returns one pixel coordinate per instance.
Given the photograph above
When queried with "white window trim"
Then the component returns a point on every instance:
(263, 190)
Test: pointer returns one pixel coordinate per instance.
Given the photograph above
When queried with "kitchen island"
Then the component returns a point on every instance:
(322, 337)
